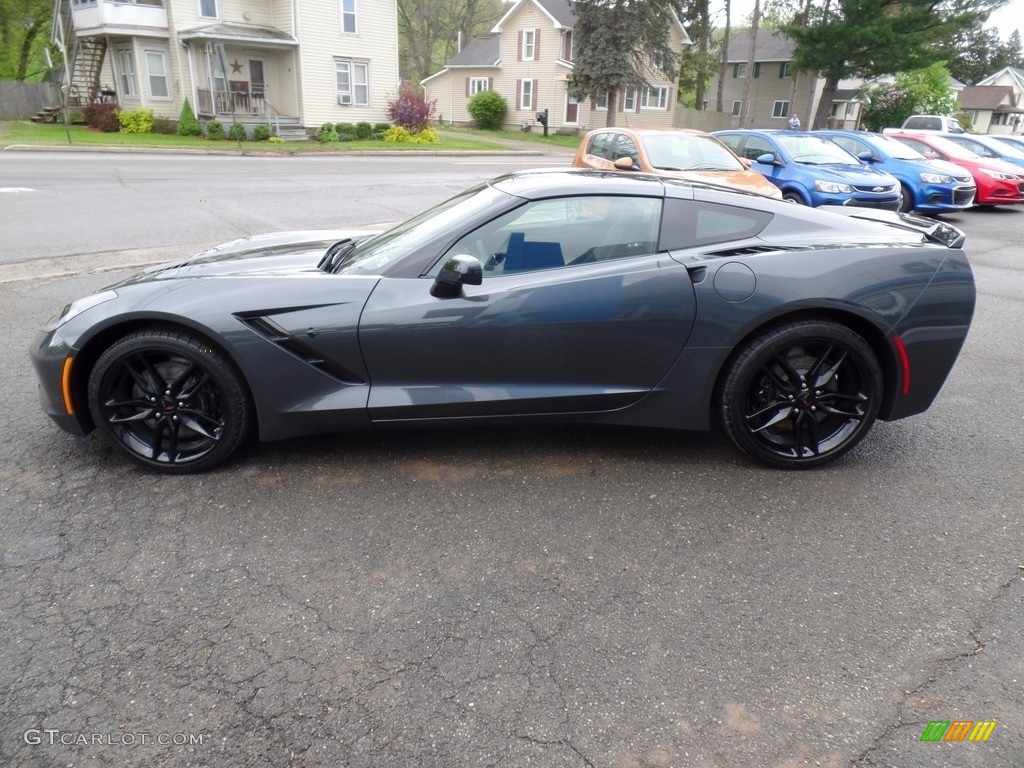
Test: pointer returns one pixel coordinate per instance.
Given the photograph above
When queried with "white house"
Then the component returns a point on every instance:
(296, 62)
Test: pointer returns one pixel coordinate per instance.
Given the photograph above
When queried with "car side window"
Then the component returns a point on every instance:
(852, 146)
(600, 146)
(564, 231)
(694, 223)
(756, 146)
(626, 147)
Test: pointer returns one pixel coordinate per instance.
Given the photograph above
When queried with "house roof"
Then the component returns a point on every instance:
(241, 33)
(479, 52)
(559, 11)
(985, 96)
(1016, 74)
(771, 45)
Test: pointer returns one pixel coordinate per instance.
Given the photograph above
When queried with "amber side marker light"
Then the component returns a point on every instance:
(901, 350)
(65, 385)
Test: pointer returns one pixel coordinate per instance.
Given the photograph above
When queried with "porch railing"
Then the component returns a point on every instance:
(235, 102)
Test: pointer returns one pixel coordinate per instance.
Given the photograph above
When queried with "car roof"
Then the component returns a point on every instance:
(649, 131)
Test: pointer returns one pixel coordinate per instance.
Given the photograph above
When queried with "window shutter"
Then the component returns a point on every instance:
(519, 47)
(490, 83)
(533, 94)
(467, 86)
(519, 93)
(536, 45)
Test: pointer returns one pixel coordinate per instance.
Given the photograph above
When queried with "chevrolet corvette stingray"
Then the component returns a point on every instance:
(540, 296)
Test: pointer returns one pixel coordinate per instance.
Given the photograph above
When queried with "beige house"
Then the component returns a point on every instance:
(528, 58)
(995, 103)
(776, 91)
(287, 63)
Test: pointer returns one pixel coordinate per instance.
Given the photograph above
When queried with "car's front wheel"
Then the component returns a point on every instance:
(794, 197)
(169, 400)
(801, 394)
(906, 199)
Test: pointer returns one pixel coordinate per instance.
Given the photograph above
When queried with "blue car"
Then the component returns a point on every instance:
(812, 170)
(991, 148)
(928, 186)
(1015, 141)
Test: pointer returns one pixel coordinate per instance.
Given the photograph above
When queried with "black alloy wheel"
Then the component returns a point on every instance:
(801, 394)
(169, 400)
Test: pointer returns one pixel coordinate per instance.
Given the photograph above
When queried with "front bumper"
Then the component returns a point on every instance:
(49, 353)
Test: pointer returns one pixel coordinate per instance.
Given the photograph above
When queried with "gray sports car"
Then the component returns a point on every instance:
(541, 296)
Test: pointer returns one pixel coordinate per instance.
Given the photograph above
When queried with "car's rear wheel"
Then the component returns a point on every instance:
(907, 199)
(801, 395)
(170, 400)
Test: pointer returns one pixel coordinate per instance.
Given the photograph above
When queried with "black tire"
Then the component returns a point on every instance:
(793, 197)
(170, 401)
(801, 395)
(907, 199)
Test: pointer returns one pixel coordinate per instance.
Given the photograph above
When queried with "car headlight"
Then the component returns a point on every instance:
(999, 175)
(832, 187)
(936, 178)
(79, 306)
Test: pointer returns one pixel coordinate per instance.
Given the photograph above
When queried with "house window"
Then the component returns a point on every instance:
(478, 84)
(757, 69)
(156, 68)
(353, 82)
(526, 94)
(602, 102)
(529, 42)
(567, 45)
(208, 9)
(348, 16)
(851, 109)
(780, 109)
(736, 107)
(126, 72)
(654, 98)
(784, 69)
(629, 100)
(740, 69)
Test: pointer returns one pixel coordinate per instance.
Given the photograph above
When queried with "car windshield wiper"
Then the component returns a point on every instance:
(666, 168)
(336, 255)
(708, 167)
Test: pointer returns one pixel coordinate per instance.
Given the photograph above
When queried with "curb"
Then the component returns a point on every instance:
(281, 153)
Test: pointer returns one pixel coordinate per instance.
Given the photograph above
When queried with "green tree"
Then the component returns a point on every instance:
(188, 123)
(621, 44)
(24, 32)
(699, 60)
(869, 38)
(429, 31)
(930, 90)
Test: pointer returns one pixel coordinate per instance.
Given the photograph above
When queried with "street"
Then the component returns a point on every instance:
(552, 597)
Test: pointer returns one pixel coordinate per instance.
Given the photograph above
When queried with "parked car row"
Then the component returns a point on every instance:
(899, 171)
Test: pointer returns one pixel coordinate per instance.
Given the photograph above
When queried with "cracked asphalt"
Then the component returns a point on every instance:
(551, 597)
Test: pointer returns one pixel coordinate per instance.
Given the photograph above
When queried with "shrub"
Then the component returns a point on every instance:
(276, 140)
(488, 109)
(260, 133)
(165, 126)
(346, 137)
(398, 134)
(188, 123)
(328, 134)
(345, 128)
(363, 131)
(215, 130)
(136, 120)
(410, 110)
(102, 117)
(237, 132)
(379, 128)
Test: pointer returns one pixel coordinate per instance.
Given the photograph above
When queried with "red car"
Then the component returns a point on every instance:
(998, 182)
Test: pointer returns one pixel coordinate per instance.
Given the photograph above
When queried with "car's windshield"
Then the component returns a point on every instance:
(1007, 150)
(951, 148)
(376, 254)
(689, 152)
(815, 150)
(893, 148)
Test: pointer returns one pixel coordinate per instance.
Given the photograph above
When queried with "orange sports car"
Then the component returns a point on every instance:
(685, 153)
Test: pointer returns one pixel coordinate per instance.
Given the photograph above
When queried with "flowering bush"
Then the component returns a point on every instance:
(887, 106)
(410, 110)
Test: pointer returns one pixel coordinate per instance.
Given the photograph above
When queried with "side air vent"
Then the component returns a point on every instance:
(748, 250)
(273, 333)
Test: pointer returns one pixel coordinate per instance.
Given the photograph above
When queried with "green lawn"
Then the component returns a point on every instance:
(24, 132)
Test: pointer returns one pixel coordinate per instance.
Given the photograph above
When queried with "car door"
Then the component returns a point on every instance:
(577, 312)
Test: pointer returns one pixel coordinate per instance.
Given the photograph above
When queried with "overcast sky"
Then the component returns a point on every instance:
(1006, 19)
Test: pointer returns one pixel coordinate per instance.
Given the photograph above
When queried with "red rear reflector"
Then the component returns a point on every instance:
(901, 350)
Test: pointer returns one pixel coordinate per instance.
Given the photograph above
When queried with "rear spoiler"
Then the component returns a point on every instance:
(934, 231)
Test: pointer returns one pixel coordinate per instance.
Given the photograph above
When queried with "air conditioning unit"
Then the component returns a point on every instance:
(344, 98)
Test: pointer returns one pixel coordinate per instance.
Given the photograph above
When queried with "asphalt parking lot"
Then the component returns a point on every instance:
(550, 597)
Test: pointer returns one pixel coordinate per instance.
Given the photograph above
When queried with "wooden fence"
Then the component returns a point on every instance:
(19, 101)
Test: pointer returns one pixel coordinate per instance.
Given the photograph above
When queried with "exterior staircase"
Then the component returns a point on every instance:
(83, 58)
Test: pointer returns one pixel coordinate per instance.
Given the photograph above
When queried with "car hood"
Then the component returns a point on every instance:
(275, 252)
(850, 174)
(942, 166)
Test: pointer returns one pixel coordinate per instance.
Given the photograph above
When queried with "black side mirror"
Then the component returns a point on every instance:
(458, 271)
